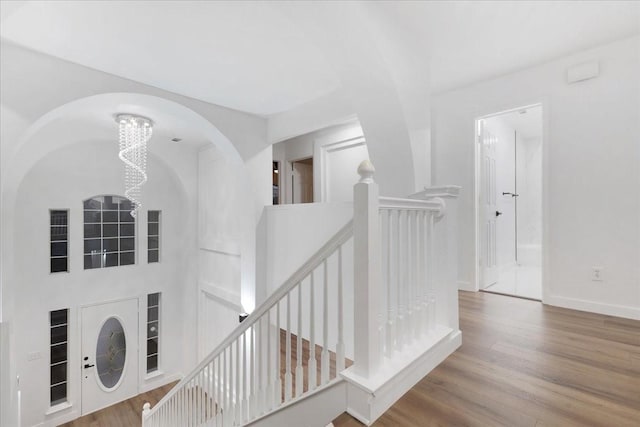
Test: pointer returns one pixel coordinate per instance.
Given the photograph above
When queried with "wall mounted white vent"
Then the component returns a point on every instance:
(582, 72)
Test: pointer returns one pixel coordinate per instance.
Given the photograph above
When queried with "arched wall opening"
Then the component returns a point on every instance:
(70, 154)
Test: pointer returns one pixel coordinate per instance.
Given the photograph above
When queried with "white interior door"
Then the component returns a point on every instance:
(109, 354)
(488, 209)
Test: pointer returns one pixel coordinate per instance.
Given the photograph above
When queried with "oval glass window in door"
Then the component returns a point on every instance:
(111, 350)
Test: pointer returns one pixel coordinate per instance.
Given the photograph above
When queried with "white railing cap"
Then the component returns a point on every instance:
(366, 171)
(443, 191)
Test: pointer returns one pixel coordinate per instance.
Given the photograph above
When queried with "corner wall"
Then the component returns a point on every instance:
(591, 162)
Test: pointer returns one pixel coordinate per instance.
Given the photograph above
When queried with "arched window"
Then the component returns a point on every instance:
(109, 232)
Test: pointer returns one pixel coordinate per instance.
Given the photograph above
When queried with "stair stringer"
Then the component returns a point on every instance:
(316, 409)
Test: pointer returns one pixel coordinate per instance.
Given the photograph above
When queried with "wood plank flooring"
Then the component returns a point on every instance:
(123, 414)
(520, 364)
(525, 364)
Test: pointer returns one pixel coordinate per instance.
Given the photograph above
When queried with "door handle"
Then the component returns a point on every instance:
(498, 213)
(87, 366)
(506, 193)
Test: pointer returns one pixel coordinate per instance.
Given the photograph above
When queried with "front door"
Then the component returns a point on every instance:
(488, 207)
(109, 354)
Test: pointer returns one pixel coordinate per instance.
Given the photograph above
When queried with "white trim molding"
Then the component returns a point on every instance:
(321, 152)
(625, 311)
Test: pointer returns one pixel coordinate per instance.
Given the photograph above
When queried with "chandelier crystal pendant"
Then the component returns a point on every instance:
(135, 132)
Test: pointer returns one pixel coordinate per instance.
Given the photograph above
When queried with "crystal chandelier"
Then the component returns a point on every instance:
(135, 132)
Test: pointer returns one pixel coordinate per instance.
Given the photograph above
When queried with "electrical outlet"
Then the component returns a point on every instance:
(596, 274)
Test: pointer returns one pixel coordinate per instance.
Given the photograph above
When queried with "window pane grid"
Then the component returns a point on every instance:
(58, 241)
(153, 236)
(153, 329)
(58, 368)
(109, 237)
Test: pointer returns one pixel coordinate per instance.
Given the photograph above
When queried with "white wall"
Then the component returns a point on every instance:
(591, 157)
(230, 202)
(62, 180)
(290, 235)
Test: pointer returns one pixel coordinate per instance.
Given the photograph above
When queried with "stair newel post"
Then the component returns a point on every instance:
(146, 408)
(367, 280)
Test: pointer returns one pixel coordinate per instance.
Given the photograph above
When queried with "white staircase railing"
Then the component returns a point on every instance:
(261, 365)
(405, 322)
(409, 301)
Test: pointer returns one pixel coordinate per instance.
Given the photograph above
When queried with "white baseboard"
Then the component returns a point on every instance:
(466, 286)
(155, 382)
(627, 312)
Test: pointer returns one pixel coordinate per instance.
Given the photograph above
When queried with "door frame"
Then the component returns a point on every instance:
(80, 343)
(497, 111)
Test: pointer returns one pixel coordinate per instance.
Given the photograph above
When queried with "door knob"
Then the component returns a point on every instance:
(498, 213)
(87, 366)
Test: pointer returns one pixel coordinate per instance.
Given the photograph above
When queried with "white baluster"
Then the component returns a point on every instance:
(245, 379)
(389, 335)
(225, 390)
(196, 399)
(313, 364)
(421, 272)
(340, 345)
(239, 386)
(417, 264)
(287, 376)
(260, 362)
(384, 250)
(324, 359)
(277, 388)
(269, 382)
(408, 281)
(252, 370)
(431, 273)
(299, 369)
(400, 323)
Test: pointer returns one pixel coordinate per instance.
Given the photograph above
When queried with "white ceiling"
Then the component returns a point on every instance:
(240, 55)
(249, 56)
(470, 41)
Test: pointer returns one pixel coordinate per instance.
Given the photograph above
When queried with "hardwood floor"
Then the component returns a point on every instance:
(525, 364)
(123, 414)
(520, 364)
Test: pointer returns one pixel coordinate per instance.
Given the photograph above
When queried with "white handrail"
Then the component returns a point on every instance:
(402, 203)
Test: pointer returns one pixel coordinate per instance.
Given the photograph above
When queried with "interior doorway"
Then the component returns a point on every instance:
(509, 210)
(275, 182)
(302, 180)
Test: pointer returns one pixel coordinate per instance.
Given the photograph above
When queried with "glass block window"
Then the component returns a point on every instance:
(109, 232)
(153, 236)
(58, 356)
(59, 240)
(153, 331)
